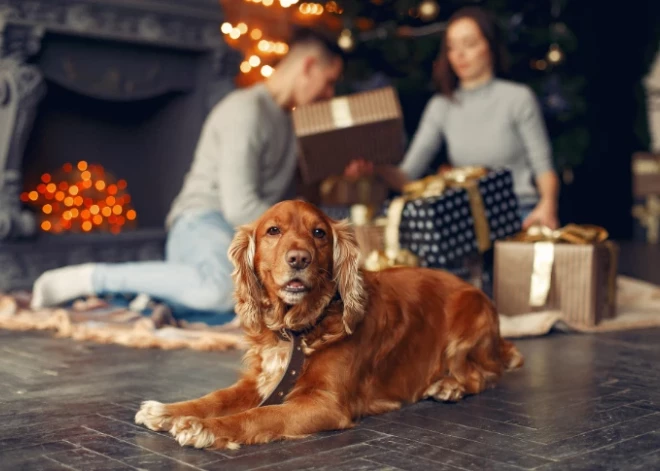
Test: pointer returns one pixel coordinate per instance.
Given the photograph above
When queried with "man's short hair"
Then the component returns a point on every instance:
(310, 37)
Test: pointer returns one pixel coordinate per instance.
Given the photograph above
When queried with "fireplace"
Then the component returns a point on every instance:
(123, 86)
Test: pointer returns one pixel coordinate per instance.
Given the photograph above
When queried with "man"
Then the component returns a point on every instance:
(244, 163)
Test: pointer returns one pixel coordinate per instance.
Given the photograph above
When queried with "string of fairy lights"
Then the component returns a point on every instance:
(261, 53)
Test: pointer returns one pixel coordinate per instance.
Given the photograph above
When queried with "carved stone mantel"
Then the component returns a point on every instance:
(186, 24)
(181, 25)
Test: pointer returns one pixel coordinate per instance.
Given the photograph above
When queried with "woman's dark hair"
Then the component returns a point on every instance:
(444, 77)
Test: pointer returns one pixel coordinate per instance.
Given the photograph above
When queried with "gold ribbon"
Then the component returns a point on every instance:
(544, 240)
(436, 185)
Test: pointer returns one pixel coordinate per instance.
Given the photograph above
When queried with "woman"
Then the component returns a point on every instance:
(484, 119)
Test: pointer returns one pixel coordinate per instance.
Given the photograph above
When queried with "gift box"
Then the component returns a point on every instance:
(342, 191)
(448, 217)
(646, 174)
(332, 133)
(646, 215)
(368, 226)
(646, 192)
(571, 270)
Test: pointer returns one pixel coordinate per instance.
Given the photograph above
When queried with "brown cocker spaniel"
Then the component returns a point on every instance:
(373, 341)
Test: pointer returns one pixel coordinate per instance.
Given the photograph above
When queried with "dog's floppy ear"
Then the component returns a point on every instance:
(347, 275)
(247, 289)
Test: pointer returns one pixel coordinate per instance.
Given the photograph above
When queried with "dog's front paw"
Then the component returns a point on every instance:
(154, 416)
(446, 390)
(200, 433)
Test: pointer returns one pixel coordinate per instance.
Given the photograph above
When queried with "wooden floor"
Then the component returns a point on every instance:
(582, 402)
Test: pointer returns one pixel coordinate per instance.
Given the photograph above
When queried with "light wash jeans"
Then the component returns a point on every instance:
(195, 276)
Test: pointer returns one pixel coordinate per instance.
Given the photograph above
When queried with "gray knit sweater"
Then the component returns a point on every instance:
(245, 160)
(498, 124)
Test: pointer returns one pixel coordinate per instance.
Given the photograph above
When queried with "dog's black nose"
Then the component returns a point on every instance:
(298, 259)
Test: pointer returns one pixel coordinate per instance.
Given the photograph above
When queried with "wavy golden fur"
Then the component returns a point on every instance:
(394, 337)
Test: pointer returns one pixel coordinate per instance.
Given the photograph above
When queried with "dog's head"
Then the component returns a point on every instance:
(290, 263)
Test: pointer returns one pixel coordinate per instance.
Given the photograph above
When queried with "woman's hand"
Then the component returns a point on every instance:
(545, 214)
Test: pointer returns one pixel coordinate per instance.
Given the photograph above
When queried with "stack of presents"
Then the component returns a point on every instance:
(463, 220)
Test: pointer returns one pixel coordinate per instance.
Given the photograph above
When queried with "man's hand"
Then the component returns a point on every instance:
(545, 214)
(358, 169)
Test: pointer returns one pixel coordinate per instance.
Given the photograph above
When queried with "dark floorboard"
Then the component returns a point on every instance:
(582, 402)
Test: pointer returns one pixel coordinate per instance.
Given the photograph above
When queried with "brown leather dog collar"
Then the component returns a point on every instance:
(293, 368)
(295, 361)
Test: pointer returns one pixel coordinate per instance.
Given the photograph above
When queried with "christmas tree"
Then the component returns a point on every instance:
(401, 39)
(395, 42)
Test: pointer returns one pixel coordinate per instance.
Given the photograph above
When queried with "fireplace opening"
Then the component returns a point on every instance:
(127, 86)
(136, 143)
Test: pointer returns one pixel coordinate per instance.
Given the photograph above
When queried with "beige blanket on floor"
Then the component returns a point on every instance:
(638, 308)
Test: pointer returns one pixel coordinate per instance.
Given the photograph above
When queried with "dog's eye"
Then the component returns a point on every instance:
(319, 233)
(273, 231)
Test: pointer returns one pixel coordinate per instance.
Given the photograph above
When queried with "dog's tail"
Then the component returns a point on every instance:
(511, 357)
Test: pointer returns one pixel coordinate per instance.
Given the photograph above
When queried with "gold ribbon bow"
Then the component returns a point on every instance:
(378, 260)
(544, 240)
(436, 185)
(571, 233)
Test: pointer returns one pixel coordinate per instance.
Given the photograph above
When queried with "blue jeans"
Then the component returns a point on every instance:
(195, 277)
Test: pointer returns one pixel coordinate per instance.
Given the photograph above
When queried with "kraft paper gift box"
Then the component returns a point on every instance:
(369, 230)
(332, 133)
(646, 191)
(451, 217)
(571, 270)
(646, 174)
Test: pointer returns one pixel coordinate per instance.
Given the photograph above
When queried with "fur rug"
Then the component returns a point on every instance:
(103, 322)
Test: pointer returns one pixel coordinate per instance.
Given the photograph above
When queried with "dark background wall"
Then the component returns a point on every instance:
(616, 49)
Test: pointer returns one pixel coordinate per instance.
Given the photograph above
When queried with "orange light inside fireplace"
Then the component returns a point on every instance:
(81, 197)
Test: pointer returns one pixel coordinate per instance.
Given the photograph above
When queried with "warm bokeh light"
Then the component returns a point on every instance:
(267, 71)
(81, 197)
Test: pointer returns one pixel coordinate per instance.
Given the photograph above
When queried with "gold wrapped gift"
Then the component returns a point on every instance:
(572, 269)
